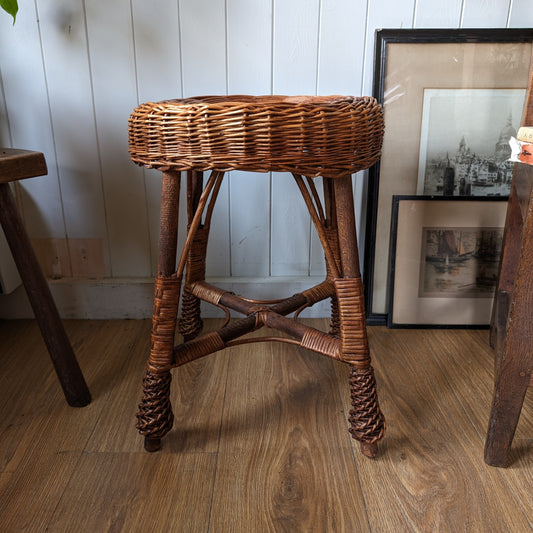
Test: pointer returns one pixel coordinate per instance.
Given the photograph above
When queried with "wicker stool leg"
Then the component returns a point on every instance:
(190, 323)
(333, 240)
(366, 419)
(155, 417)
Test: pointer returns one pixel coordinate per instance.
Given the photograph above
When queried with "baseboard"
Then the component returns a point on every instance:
(133, 298)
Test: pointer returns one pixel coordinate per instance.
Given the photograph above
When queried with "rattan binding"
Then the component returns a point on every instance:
(328, 136)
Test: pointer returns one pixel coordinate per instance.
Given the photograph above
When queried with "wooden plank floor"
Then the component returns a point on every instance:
(260, 440)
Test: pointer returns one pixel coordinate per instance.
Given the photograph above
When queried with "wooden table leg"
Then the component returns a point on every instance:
(66, 366)
(515, 363)
(512, 243)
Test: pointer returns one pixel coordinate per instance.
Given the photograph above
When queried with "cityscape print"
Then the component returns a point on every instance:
(465, 141)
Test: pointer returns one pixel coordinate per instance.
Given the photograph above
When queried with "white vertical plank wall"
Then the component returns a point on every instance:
(71, 71)
(294, 71)
(249, 55)
(158, 72)
(68, 82)
(203, 52)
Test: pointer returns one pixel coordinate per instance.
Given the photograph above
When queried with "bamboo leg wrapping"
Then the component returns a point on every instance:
(155, 418)
(366, 419)
(191, 324)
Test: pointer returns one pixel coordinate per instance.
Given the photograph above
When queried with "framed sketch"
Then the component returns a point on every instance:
(464, 141)
(444, 260)
(451, 99)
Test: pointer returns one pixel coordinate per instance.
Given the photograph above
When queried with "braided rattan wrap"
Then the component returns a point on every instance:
(190, 323)
(319, 292)
(311, 135)
(367, 423)
(333, 240)
(352, 321)
(207, 292)
(199, 347)
(155, 417)
(321, 343)
(167, 290)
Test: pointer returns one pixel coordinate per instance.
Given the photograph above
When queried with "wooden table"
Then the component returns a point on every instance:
(16, 165)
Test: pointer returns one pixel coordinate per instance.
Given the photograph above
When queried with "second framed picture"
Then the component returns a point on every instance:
(452, 99)
(444, 260)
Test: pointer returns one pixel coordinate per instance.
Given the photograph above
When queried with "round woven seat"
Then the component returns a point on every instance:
(309, 135)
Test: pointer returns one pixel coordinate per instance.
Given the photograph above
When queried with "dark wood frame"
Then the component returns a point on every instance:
(416, 36)
(397, 199)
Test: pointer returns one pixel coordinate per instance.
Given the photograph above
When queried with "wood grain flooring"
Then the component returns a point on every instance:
(260, 440)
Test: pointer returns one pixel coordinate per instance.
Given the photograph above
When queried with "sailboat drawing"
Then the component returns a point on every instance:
(449, 251)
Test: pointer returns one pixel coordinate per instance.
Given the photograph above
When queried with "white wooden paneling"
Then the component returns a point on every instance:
(158, 63)
(9, 277)
(341, 46)
(28, 113)
(521, 14)
(250, 224)
(340, 70)
(431, 14)
(384, 14)
(72, 71)
(203, 49)
(113, 75)
(5, 133)
(295, 52)
(249, 54)
(64, 43)
(249, 31)
(485, 13)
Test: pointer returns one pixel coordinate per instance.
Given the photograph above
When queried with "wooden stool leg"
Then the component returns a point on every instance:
(66, 366)
(366, 419)
(155, 416)
(190, 323)
(333, 239)
(515, 364)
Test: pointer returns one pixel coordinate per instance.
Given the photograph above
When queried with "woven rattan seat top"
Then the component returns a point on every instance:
(310, 135)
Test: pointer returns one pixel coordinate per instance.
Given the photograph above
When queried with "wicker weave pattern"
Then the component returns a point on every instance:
(352, 317)
(367, 423)
(321, 343)
(167, 290)
(155, 417)
(191, 323)
(313, 136)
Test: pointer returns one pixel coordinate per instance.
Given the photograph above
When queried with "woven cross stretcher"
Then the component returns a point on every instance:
(312, 135)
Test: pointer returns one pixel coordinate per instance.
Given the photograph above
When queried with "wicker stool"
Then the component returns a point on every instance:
(331, 137)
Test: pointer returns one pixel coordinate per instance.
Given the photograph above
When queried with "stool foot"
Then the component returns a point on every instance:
(369, 449)
(366, 419)
(152, 444)
(155, 417)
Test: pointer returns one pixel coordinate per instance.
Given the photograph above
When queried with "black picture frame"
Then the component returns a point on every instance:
(379, 199)
(434, 291)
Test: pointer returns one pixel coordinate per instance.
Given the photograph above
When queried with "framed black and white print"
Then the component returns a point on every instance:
(451, 100)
